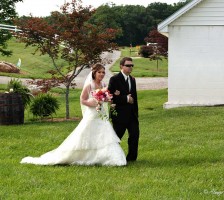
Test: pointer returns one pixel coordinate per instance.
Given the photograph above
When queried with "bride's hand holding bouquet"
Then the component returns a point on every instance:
(101, 96)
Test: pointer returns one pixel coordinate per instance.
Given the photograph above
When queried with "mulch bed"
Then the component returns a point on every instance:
(61, 119)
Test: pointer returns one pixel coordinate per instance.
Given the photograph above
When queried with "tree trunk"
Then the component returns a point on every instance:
(67, 102)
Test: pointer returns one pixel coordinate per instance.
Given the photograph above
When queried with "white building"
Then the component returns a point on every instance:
(196, 54)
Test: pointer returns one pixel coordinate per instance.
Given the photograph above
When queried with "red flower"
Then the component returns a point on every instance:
(102, 95)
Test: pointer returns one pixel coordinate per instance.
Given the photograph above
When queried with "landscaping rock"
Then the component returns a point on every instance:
(8, 67)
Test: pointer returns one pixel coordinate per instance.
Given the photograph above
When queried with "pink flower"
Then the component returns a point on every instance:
(102, 95)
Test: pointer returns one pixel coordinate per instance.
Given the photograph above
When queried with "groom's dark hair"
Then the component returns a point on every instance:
(125, 59)
(96, 68)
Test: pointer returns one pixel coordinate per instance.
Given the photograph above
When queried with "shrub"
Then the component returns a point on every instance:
(44, 105)
(146, 51)
(16, 86)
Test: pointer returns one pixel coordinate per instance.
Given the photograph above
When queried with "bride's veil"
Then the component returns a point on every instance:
(88, 81)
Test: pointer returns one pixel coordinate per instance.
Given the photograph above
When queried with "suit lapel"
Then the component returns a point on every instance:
(132, 82)
(121, 77)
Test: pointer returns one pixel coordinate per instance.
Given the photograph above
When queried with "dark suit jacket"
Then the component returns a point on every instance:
(124, 110)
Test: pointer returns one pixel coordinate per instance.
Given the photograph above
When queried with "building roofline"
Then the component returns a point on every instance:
(163, 26)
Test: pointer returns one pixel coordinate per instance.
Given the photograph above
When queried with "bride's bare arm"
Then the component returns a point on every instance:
(84, 97)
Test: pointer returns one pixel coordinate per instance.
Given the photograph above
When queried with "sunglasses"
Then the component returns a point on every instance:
(129, 65)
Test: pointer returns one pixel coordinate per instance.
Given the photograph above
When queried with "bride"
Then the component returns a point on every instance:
(93, 141)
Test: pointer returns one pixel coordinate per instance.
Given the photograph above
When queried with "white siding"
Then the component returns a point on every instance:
(196, 65)
(208, 12)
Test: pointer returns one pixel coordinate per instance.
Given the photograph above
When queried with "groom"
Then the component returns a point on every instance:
(123, 88)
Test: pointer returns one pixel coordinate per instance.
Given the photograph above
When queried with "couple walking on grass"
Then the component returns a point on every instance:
(95, 141)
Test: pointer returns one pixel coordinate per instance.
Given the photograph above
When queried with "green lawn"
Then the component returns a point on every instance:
(180, 157)
(33, 66)
(143, 66)
(36, 66)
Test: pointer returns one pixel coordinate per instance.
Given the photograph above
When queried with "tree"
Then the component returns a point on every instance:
(161, 41)
(159, 44)
(68, 35)
(7, 13)
(109, 15)
(134, 21)
(134, 24)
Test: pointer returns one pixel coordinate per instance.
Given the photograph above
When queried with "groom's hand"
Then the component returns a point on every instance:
(130, 99)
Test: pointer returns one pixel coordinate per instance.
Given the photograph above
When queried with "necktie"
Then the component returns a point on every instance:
(127, 84)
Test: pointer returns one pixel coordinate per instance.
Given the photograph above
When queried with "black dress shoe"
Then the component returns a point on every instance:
(130, 160)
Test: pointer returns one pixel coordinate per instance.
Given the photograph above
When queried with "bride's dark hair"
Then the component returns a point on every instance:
(96, 68)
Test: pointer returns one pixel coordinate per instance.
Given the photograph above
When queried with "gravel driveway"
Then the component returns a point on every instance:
(142, 83)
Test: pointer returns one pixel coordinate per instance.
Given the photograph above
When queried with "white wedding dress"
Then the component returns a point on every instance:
(92, 142)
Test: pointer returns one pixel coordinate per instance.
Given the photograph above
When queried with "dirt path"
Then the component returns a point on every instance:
(142, 83)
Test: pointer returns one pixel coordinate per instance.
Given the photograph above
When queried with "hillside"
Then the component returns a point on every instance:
(32, 66)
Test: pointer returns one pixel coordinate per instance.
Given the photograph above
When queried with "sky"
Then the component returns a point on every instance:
(43, 8)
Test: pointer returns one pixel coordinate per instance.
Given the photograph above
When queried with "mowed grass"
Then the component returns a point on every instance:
(180, 157)
(143, 67)
(33, 65)
(36, 66)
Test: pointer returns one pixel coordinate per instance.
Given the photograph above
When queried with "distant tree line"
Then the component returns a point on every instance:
(134, 21)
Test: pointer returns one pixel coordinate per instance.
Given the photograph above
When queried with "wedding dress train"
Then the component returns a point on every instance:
(92, 142)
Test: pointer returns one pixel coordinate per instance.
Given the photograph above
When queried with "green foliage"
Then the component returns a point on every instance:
(44, 105)
(134, 21)
(2, 88)
(17, 86)
(7, 13)
(4, 37)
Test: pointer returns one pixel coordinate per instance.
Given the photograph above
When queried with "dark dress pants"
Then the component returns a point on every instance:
(133, 136)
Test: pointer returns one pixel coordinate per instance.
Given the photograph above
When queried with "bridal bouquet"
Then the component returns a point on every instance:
(102, 95)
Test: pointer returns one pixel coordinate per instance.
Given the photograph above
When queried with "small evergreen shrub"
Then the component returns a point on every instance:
(44, 105)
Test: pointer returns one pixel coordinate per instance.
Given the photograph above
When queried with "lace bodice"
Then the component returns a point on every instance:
(91, 112)
(93, 87)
